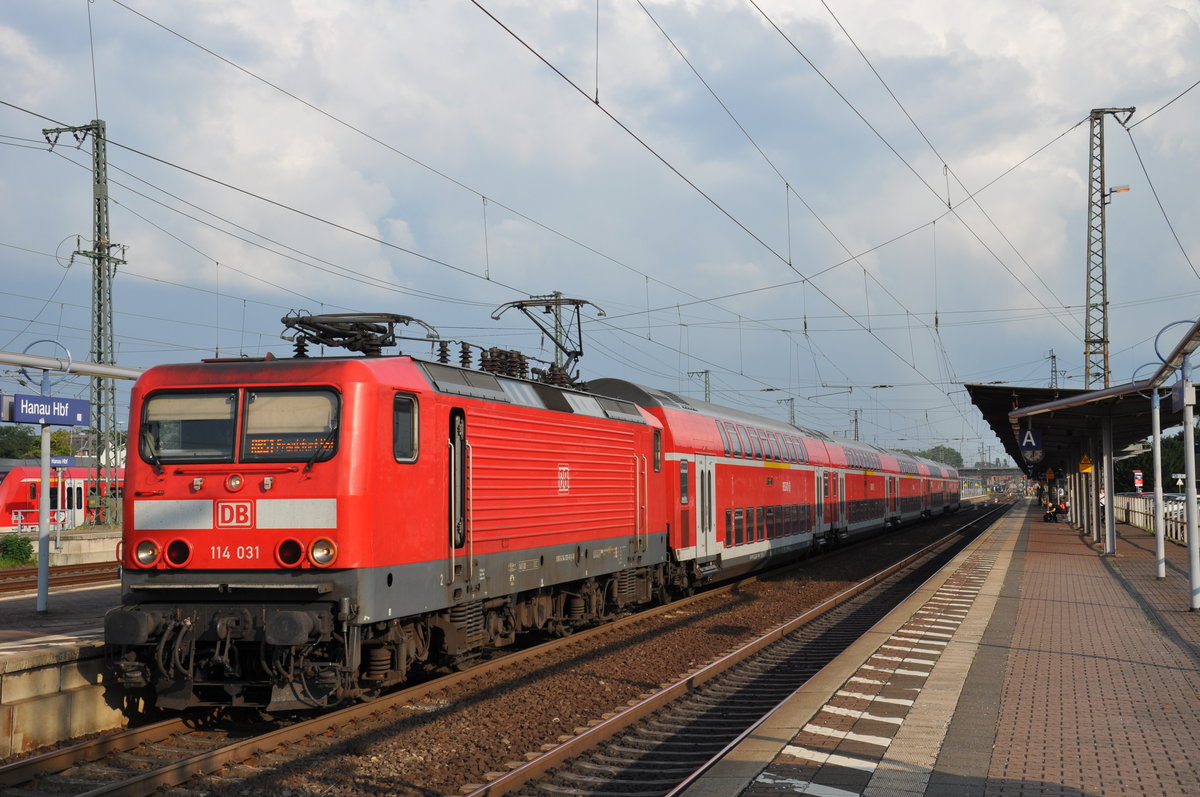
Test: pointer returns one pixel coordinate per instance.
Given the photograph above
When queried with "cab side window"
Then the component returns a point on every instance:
(404, 428)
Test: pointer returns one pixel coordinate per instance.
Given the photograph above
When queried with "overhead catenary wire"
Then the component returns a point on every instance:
(485, 274)
(688, 181)
(1158, 200)
(902, 159)
(911, 363)
(1164, 106)
(407, 156)
(298, 256)
(946, 169)
(395, 150)
(159, 24)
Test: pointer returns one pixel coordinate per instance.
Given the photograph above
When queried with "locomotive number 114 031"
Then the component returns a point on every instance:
(235, 551)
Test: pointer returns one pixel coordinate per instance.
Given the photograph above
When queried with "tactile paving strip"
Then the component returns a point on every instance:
(868, 740)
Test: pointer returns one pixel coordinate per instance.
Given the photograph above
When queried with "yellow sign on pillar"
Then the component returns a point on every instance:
(1049, 474)
(1085, 464)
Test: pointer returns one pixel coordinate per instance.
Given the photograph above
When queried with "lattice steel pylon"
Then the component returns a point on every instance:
(1095, 334)
(107, 438)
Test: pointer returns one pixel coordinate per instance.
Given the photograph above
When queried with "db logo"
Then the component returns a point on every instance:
(564, 478)
(234, 514)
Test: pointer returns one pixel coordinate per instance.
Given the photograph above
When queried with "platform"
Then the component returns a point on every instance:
(1031, 665)
(52, 668)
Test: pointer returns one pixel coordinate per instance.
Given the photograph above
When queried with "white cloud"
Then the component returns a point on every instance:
(458, 108)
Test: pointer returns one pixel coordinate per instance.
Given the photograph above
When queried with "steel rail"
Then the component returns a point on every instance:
(19, 579)
(592, 737)
(176, 773)
(204, 763)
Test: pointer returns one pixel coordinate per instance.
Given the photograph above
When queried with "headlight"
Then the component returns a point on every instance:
(322, 552)
(179, 553)
(234, 482)
(146, 553)
(289, 553)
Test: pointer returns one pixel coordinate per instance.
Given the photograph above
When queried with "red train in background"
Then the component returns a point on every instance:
(304, 531)
(73, 493)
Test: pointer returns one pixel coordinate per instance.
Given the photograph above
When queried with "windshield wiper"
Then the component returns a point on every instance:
(149, 438)
(320, 446)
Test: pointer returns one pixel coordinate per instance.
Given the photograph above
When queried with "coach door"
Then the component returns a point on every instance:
(460, 499)
(834, 502)
(706, 511)
(841, 500)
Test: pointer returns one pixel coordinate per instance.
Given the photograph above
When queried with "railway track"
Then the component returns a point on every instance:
(22, 579)
(656, 746)
(246, 753)
(163, 754)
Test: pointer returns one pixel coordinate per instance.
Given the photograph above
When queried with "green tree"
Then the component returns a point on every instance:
(946, 455)
(23, 441)
(943, 454)
(60, 443)
(18, 441)
(1172, 462)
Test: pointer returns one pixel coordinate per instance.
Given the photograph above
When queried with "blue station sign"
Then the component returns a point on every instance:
(51, 410)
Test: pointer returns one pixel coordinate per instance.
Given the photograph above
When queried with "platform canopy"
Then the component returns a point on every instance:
(1067, 423)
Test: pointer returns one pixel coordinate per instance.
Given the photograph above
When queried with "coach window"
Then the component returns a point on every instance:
(743, 440)
(728, 528)
(739, 526)
(404, 429)
(734, 440)
(754, 445)
(724, 438)
(683, 481)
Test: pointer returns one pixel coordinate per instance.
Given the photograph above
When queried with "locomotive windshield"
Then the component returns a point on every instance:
(189, 427)
(290, 426)
(277, 426)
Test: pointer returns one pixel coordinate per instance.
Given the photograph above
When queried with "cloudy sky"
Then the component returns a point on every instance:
(845, 209)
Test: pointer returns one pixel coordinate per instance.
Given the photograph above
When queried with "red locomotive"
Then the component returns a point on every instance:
(308, 530)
